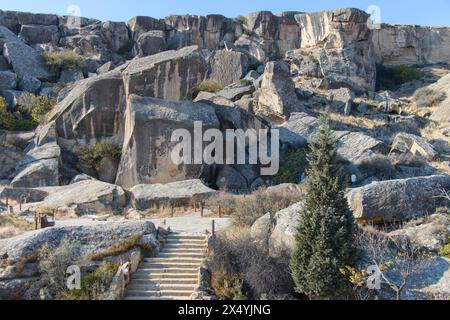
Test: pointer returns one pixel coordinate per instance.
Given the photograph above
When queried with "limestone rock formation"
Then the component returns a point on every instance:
(339, 42)
(404, 44)
(442, 114)
(415, 145)
(146, 196)
(227, 67)
(149, 123)
(150, 43)
(168, 75)
(398, 200)
(276, 97)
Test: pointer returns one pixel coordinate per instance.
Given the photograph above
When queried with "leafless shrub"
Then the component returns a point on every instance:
(235, 254)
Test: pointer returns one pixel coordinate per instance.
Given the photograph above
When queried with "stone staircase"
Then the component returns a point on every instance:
(173, 273)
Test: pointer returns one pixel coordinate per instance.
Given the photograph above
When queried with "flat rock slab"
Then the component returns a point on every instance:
(147, 195)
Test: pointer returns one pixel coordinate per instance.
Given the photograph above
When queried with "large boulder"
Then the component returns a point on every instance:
(341, 100)
(146, 196)
(227, 67)
(340, 45)
(281, 229)
(442, 114)
(398, 200)
(167, 75)
(412, 45)
(23, 59)
(276, 97)
(147, 147)
(37, 34)
(415, 145)
(92, 109)
(267, 36)
(140, 25)
(355, 147)
(12, 146)
(8, 80)
(16, 282)
(40, 165)
(207, 32)
(150, 43)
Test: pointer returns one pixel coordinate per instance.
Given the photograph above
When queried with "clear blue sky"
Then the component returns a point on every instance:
(431, 12)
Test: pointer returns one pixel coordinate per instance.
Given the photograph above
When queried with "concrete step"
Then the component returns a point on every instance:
(165, 281)
(169, 255)
(172, 259)
(185, 237)
(161, 287)
(156, 293)
(169, 265)
(140, 275)
(175, 249)
(182, 246)
(170, 270)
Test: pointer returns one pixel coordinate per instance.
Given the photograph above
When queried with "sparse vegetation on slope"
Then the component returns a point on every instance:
(427, 98)
(62, 60)
(390, 78)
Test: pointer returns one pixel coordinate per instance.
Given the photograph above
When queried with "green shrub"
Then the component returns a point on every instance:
(60, 86)
(246, 82)
(92, 156)
(427, 98)
(62, 60)
(17, 121)
(445, 251)
(209, 86)
(95, 284)
(294, 165)
(391, 78)
(39, 107)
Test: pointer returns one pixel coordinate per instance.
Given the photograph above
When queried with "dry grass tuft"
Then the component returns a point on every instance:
(118, 248)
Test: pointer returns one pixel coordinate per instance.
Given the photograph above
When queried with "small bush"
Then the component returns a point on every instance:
(62, 60)
(241, 267)
(445, 251)
(40, 106)
(391, 78)
(294, 165)
(92, 156)
(12, 224)
(16, 121)
(378, 166)
(246, 82)
(209, 86)
(53, 263)
(427, 98)
(95, 284)
(252, 207)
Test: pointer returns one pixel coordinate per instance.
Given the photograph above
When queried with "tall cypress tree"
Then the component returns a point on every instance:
(325, 240)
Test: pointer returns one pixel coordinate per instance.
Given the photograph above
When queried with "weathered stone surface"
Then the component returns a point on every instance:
(8, 80)
(355, 146)
(12, 146)
(388, 102)
(230, 179)
(108, 66)
(341, 100)
(398, 200)
(116, 35)
(227, 67)
(442, 114)
(282, 238)
(92, 109)
(89, 238)
(407, 44)
(150, 43)
(30, 84)
(23, 195)
(34, 34)
(23, 59)
(152, 195)
(276, 97)
(236, 91)
(10, 20)
(140, 24)
(262, 228)
(267, 36)
(430, 233)
(414, 144)
(3, 63)
(149, 124)
(71, 76)
(339, 44)
(300, 128)
(27, 18)
(167, 75)
(85, 197)
(207, 32)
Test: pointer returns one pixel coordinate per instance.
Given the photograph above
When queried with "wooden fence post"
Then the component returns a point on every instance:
(213, 228)
(201, 209)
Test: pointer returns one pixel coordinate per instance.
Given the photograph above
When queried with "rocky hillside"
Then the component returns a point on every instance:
(119, 89)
